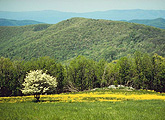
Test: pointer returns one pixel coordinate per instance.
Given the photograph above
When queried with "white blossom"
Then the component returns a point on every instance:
(37, 82)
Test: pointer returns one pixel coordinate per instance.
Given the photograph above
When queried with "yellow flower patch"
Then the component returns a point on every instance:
(86, 97)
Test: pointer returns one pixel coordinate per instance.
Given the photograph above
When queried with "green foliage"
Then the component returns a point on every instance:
(81, 73)
(140, 71)
(37, 82)
(125, 70)
(40, 27)
(10, 77)
(95, 39)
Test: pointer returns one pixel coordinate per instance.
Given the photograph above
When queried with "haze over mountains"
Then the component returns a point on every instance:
(96, 39)
(52, 17)
(159, 22)
(9, 22)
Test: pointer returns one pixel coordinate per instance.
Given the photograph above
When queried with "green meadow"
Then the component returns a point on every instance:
(127, 110)
(49, 109)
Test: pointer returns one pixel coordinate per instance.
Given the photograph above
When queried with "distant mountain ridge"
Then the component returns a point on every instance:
(159, 22)
(93, 38)
(10, 22)
(50, 16)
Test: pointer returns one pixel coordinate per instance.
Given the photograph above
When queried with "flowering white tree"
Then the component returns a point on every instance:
(38, 82)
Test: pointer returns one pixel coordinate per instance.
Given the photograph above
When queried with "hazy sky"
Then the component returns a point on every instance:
(79, 5)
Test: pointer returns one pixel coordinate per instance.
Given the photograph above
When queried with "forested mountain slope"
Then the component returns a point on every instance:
(97, 39)
(10, 22)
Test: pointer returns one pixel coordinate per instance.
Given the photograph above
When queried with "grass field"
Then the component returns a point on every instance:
(96, 105)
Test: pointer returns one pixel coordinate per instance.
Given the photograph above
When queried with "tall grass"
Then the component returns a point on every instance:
(126, 110)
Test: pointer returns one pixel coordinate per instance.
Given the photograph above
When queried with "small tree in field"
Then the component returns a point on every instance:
(38, 82)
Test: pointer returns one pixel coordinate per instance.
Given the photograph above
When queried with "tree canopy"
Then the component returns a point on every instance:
(139, 70)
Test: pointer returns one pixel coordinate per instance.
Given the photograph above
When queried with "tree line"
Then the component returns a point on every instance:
(140, 70)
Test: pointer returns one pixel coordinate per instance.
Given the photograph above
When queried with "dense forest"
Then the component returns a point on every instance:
(96, 39)
(139, 70)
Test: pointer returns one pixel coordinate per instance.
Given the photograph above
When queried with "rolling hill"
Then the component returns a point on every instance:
(52, 17)
(9, 22)
(96, 39)
(159, 22)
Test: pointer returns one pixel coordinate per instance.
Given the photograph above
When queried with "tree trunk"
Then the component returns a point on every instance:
(37, 97)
